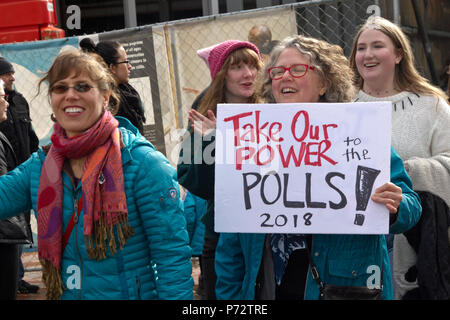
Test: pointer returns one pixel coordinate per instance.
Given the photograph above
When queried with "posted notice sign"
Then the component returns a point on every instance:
(302, 168)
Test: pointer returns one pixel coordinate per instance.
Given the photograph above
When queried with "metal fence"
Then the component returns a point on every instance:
(334, 21)
(166, 70)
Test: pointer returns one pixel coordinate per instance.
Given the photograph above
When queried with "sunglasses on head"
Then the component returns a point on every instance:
(79, 87)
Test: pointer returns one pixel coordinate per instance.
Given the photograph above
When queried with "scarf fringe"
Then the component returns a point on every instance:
(103, 236)
(52, 279)
(96, 246)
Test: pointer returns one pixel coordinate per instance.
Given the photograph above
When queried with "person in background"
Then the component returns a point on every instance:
(12, 231)
(109, 215)
(444, 78)
(383, 62)
(233, 66)
(20, 133)
(448, 84)
(447, 71)
(194, 209)
(115, 57)
(261, 36)
(276, 266)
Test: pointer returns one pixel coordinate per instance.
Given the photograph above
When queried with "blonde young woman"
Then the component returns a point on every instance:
(276, 266)
(233, 66)
(383, 62)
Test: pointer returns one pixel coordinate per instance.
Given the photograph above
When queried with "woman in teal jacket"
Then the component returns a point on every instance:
(256, 266)
(110, 220)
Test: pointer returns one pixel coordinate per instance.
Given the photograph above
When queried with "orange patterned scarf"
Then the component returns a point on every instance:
(104, 199)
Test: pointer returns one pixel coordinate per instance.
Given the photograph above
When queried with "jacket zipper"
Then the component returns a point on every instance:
(309, 268)
(138, 284)
(76, 219)
(78, 248)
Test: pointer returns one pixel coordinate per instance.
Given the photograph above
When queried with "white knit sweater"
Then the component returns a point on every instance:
(421, 136)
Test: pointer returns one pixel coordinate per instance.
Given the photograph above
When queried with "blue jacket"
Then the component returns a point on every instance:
(194, 209)
(154, 263)
(341, 259)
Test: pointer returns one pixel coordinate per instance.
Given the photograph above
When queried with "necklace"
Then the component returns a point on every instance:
(381, 93)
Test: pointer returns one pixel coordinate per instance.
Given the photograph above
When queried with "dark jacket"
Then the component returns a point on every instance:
(131, 106)
(198, 178)
(13, 230)
(430, 240)
(20, 133)
(18, 129)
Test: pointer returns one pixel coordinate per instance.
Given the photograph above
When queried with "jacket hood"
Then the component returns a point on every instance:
(131, 135)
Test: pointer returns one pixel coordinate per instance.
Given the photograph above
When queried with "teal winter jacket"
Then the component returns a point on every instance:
(194, 209)
(154, 263)
(341, 259)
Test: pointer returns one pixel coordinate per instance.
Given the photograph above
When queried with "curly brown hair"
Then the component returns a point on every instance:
(329, 60)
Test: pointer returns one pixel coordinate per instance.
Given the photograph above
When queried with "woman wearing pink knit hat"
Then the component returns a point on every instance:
(233, 65)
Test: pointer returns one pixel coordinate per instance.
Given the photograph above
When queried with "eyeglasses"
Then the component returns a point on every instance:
(124, 61)
(79, 87)
(296, 70)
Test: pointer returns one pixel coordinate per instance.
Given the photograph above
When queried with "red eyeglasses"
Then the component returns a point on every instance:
(296, 70)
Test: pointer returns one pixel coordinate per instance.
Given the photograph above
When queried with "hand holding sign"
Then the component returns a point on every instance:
(390, 195)
(304, 168)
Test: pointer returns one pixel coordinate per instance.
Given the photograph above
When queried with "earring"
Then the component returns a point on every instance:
(52, 117)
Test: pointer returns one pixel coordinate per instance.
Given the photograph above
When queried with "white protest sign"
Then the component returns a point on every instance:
(302, 168)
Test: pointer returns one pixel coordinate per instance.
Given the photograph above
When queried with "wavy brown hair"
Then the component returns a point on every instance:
(216, 92)
(329, 60)
(74, 60)
(406, 77)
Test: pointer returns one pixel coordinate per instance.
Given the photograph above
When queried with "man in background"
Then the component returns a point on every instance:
(19, 131)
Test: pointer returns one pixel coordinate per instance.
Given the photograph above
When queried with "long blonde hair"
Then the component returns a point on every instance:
(329, 61)
(216, 92)
(406, 77)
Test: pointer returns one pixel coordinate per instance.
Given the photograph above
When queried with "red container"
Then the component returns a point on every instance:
(28, 20)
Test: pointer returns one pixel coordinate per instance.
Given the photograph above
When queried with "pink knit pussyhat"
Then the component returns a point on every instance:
(216, 55)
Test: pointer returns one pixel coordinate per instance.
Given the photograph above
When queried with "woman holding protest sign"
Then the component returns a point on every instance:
(109, 216)
(296, 266)
(115, 57)
(383, 62)
(234, 66)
